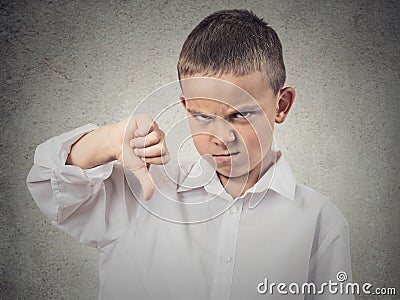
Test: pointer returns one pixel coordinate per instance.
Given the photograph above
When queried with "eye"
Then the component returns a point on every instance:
(201, 117)
(243, 115)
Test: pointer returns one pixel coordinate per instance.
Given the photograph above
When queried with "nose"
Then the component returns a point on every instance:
(223, 133)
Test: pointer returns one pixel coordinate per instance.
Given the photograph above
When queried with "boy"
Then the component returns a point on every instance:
(257, 235)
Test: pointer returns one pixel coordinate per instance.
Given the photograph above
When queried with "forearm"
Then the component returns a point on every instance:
(80, 201)
(94, 148)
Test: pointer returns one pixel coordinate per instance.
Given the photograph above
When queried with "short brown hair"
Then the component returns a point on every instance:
(233, 42)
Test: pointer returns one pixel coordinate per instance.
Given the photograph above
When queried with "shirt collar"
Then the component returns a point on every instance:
(278, 178)
(201, 174)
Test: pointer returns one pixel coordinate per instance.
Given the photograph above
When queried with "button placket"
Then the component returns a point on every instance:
(233, 209)
(227, 259)
(226, 252)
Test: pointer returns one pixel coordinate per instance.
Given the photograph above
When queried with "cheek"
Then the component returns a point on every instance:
(200, 142)
(256, 141)
(249, 137)
(251, 143)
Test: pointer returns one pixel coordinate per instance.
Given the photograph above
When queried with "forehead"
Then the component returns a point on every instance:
(227, 91)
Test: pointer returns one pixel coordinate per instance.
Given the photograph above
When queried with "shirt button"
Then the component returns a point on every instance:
(227, 259)
(233, 209)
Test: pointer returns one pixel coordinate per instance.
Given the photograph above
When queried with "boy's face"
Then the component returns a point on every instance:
(231, 120)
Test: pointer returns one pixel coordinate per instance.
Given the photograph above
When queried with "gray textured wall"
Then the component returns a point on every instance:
(65, 64)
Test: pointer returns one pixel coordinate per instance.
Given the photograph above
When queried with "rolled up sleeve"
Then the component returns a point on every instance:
(89, 204)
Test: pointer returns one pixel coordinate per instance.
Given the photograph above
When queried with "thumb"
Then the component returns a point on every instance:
(146, 182)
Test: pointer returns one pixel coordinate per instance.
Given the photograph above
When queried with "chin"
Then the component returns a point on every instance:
(227, 172)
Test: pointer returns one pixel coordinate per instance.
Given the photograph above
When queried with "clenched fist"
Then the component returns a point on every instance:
(139, 142)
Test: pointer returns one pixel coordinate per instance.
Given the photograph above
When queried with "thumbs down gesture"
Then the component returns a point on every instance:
(143, 144)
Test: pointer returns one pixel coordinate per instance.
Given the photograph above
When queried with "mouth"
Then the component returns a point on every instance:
(224, 157)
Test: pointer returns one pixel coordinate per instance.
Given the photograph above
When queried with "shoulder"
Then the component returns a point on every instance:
(325, 212)
(329, 223)
(321, 205)
(308, 205)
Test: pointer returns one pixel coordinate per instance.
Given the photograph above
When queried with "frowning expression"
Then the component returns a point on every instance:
(231, 120)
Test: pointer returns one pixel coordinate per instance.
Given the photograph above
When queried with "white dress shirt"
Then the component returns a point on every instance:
(290, 234)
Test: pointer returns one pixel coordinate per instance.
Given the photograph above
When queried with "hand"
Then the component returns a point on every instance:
(142, 144)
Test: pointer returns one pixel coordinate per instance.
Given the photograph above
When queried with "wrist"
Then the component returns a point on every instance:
(114, 140)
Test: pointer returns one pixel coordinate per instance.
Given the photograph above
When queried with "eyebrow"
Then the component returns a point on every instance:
(244, 108)
(249, 107)
(193, 112)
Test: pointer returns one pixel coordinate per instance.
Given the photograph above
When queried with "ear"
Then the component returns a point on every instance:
(183, 100)
(285, 100)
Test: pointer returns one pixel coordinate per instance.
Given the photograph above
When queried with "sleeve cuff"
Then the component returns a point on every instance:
(54, 152)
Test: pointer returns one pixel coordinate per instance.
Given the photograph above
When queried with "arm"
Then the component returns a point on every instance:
(136, 142)
(94, 148)
(331, 262)
(76, 183)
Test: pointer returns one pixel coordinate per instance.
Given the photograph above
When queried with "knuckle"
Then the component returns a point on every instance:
(145, 121)
(154, 137)
(154, 125)
(163, 149)
(149, 140)
(166, 158)
(158, 135)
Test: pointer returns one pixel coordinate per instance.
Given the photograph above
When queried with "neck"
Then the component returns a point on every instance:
(237, 186)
